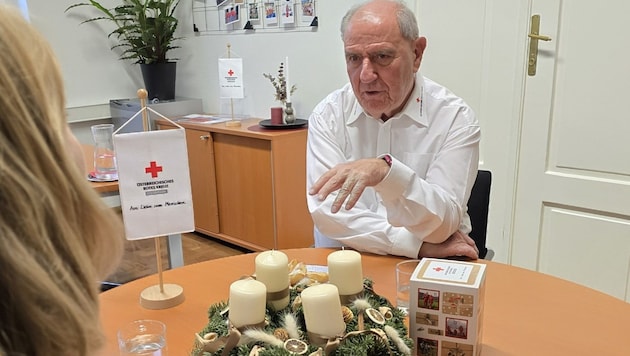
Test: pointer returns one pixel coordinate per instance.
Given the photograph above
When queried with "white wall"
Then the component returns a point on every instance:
(94, 74)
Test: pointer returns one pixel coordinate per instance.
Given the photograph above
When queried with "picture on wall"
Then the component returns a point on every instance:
(221, 2)
(287, 15)
(232, 14)
(308, 11)
(254, 15)
(271, 18)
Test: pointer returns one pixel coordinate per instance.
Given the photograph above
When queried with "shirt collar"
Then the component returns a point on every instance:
(415, 109)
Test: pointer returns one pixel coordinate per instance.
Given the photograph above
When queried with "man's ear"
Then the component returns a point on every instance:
(419, 46)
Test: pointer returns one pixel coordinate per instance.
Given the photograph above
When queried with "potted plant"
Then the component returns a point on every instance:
(145, 31)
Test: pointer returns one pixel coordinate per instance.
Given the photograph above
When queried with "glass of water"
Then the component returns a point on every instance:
(404, 270)
(143, 338)
(105, 167)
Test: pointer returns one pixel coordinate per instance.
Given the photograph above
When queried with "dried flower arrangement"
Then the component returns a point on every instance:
(280, 84)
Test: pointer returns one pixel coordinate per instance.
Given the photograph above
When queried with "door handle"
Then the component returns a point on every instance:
(534, 37)
(539, 37)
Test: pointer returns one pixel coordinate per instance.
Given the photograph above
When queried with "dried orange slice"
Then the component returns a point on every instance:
(375, 316)
(296, 346)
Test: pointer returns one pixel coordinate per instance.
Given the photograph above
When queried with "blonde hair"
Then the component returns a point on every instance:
(58, 238)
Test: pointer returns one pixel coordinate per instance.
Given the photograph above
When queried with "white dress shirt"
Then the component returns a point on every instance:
(434, 145)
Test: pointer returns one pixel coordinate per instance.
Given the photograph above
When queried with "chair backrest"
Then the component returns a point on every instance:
(478, 210)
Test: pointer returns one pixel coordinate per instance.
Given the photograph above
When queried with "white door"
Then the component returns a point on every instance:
(572, 208)
(475, 48)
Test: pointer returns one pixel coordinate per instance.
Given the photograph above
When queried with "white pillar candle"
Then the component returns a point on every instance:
(322, 310)
(345, 271)
(272, 269)
(286, 75)
(247, 302)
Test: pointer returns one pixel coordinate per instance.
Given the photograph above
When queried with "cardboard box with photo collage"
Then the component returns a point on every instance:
(446, 307)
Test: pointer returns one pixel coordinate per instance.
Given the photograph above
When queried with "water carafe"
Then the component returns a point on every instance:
(105, 167)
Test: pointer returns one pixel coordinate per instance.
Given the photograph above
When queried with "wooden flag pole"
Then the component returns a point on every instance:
(233, 123)
(229, 55)
(161, 296)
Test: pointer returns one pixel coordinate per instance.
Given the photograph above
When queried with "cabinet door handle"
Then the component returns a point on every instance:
(204, 137)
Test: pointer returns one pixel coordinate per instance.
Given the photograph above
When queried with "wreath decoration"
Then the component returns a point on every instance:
(373, 327)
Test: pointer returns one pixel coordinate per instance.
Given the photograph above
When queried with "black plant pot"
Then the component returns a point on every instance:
(159, 80)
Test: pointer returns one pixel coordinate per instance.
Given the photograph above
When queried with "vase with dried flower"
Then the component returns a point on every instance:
(284, 114)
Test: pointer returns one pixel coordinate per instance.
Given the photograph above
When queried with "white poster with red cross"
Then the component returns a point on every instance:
(154, 183)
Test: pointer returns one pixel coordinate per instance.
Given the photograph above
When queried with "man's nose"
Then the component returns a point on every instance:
(368, 74)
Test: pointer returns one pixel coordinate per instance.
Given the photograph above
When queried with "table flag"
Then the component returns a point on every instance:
(231, 78)
(154, 182)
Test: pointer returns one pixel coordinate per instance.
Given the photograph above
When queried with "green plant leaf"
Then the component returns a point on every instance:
(145, 29)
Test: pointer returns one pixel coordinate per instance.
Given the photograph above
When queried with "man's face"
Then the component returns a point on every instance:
(381, 64)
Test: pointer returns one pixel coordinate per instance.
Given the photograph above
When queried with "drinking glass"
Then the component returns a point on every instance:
(105, 167)
(143, 338)
(404, 270)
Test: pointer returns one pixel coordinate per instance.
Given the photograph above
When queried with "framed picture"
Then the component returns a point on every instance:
(308, 10)
(254, 14)
(271, 17)
(232, 14)
(286, 14)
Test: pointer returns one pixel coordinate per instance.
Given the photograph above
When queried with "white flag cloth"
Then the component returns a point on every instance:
(154, 183)
(231, 78)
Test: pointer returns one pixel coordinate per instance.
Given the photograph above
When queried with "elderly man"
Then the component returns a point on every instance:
(391, 156)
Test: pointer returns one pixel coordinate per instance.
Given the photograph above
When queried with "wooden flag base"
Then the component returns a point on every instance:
(154, 298)
(233, 123)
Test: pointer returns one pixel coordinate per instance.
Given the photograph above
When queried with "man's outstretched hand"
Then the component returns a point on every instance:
(350, 179)
(457, 245)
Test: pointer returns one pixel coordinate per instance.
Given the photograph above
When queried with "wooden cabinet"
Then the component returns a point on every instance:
(249, 184)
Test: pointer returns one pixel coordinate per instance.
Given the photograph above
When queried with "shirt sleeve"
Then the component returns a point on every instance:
(434, 207)
(364, 227)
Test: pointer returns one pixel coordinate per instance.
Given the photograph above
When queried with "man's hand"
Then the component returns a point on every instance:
(458, 244)
(351, 179)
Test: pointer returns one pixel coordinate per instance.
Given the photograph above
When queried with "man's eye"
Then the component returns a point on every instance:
(383, 59)
(353, 60)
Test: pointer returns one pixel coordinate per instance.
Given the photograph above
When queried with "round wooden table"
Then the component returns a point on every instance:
(526, 313)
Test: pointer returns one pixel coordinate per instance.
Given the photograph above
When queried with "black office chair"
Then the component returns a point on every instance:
(478, 212)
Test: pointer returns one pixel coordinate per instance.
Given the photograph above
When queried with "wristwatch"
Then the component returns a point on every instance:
(387, 159)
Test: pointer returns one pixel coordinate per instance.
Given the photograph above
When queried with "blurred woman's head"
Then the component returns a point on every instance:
(58, 238)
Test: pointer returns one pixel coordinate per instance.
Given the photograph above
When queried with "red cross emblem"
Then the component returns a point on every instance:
(231, 72)
(438, 269)
(153, 168)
